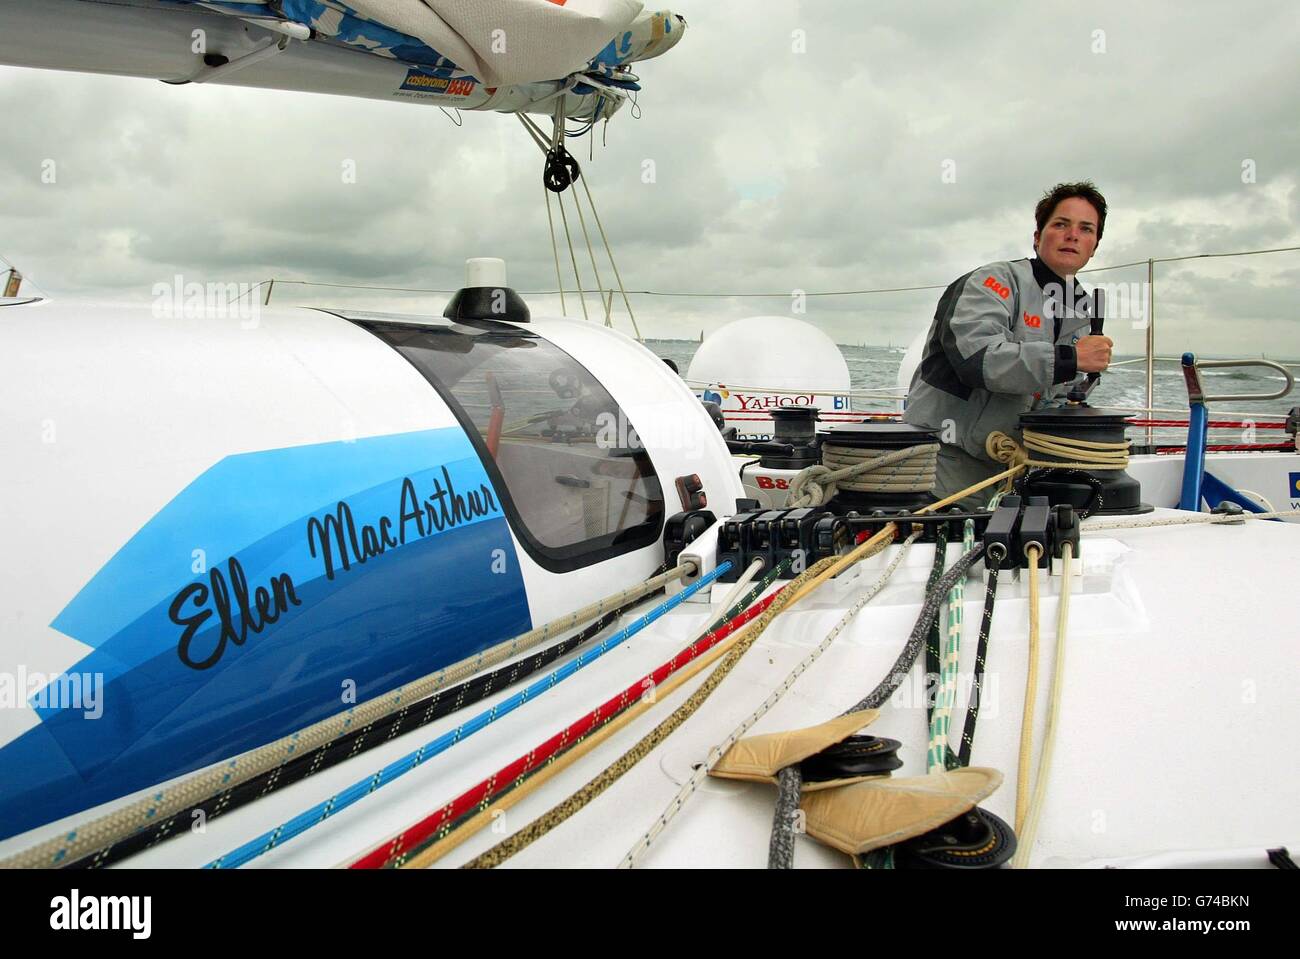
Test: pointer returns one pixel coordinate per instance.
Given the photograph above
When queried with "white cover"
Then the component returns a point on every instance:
(544, 39)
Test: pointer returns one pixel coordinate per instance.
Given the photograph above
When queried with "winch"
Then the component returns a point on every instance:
(1065, 436)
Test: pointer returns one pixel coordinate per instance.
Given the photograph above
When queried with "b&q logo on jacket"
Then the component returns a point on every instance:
(1033, 320)
(996, 287)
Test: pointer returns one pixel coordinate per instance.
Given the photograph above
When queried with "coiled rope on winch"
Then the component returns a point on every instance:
(1073, 453)
(358, 790)
(701, 771)
(85, 838)
(909, 470)
(781, 848)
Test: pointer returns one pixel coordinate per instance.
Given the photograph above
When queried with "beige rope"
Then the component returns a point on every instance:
(869, 471)
(1072, 453)
(1031, 694)
(1026, 838)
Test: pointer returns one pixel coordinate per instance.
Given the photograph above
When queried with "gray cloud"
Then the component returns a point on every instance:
(774, 170)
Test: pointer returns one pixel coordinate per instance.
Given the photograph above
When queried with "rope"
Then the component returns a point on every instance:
(85, 838)
(568, 236)
(559, 814)
(991, 563)
(609, 251)
(906, 470)
(359, 790)
(600, 287)
(789, 791)
(701, 770)
(940, 755)
(934, 640)
(798, 587)
(555, 248)
(432, 837)
(894, 678)
(1195, 519)
(1074, 453)
(414, 716)
(1026, 840)
(1031, 694)
(812, 578)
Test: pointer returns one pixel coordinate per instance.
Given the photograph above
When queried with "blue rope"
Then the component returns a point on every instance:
(358, 790)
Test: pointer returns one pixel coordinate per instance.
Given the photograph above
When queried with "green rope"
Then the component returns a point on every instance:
(940, 756)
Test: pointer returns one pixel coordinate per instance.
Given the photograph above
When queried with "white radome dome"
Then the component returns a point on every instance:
(777, 352)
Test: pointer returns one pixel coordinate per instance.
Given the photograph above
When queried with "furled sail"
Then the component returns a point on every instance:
(505, 55)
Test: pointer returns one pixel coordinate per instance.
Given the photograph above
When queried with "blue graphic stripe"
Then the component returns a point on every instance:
(342, 800)
(190, 675)
(241, 500)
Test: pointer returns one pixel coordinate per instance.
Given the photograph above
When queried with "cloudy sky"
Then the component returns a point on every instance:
(901, 144)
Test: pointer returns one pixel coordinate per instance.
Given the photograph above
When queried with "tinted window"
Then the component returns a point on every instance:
(576, 484)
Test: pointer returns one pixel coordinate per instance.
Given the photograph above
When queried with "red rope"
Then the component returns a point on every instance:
(510, 775)
(1214, 424)
(1234, 448)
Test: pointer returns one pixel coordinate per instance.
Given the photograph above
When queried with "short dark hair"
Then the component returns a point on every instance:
(1084, 190)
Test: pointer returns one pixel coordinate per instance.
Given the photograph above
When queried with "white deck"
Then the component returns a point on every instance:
(1178, 698)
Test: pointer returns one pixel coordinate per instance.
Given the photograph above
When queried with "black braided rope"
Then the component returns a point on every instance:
(992, 563)
(417, 714)
(1044, 473)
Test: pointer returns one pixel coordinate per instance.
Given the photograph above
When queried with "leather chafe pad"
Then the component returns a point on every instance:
(759, 758)
(883, 811)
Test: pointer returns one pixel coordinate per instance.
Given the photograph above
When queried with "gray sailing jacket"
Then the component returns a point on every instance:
(1002, 342)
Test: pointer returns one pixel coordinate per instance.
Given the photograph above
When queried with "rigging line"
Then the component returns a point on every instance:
(555, 249)
(609, 251)
(568, 236)
(424, 842)
(791, 787)
(71, 844)
(783, 294)
(359, 790)
(701, 770)
(600, 287)
(414, 716)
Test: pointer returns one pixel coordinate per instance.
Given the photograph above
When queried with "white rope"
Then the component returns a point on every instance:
(1195, 519)
(911, 469)
(701, 772)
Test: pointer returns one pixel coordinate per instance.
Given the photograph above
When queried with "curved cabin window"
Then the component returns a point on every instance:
(573, 478)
